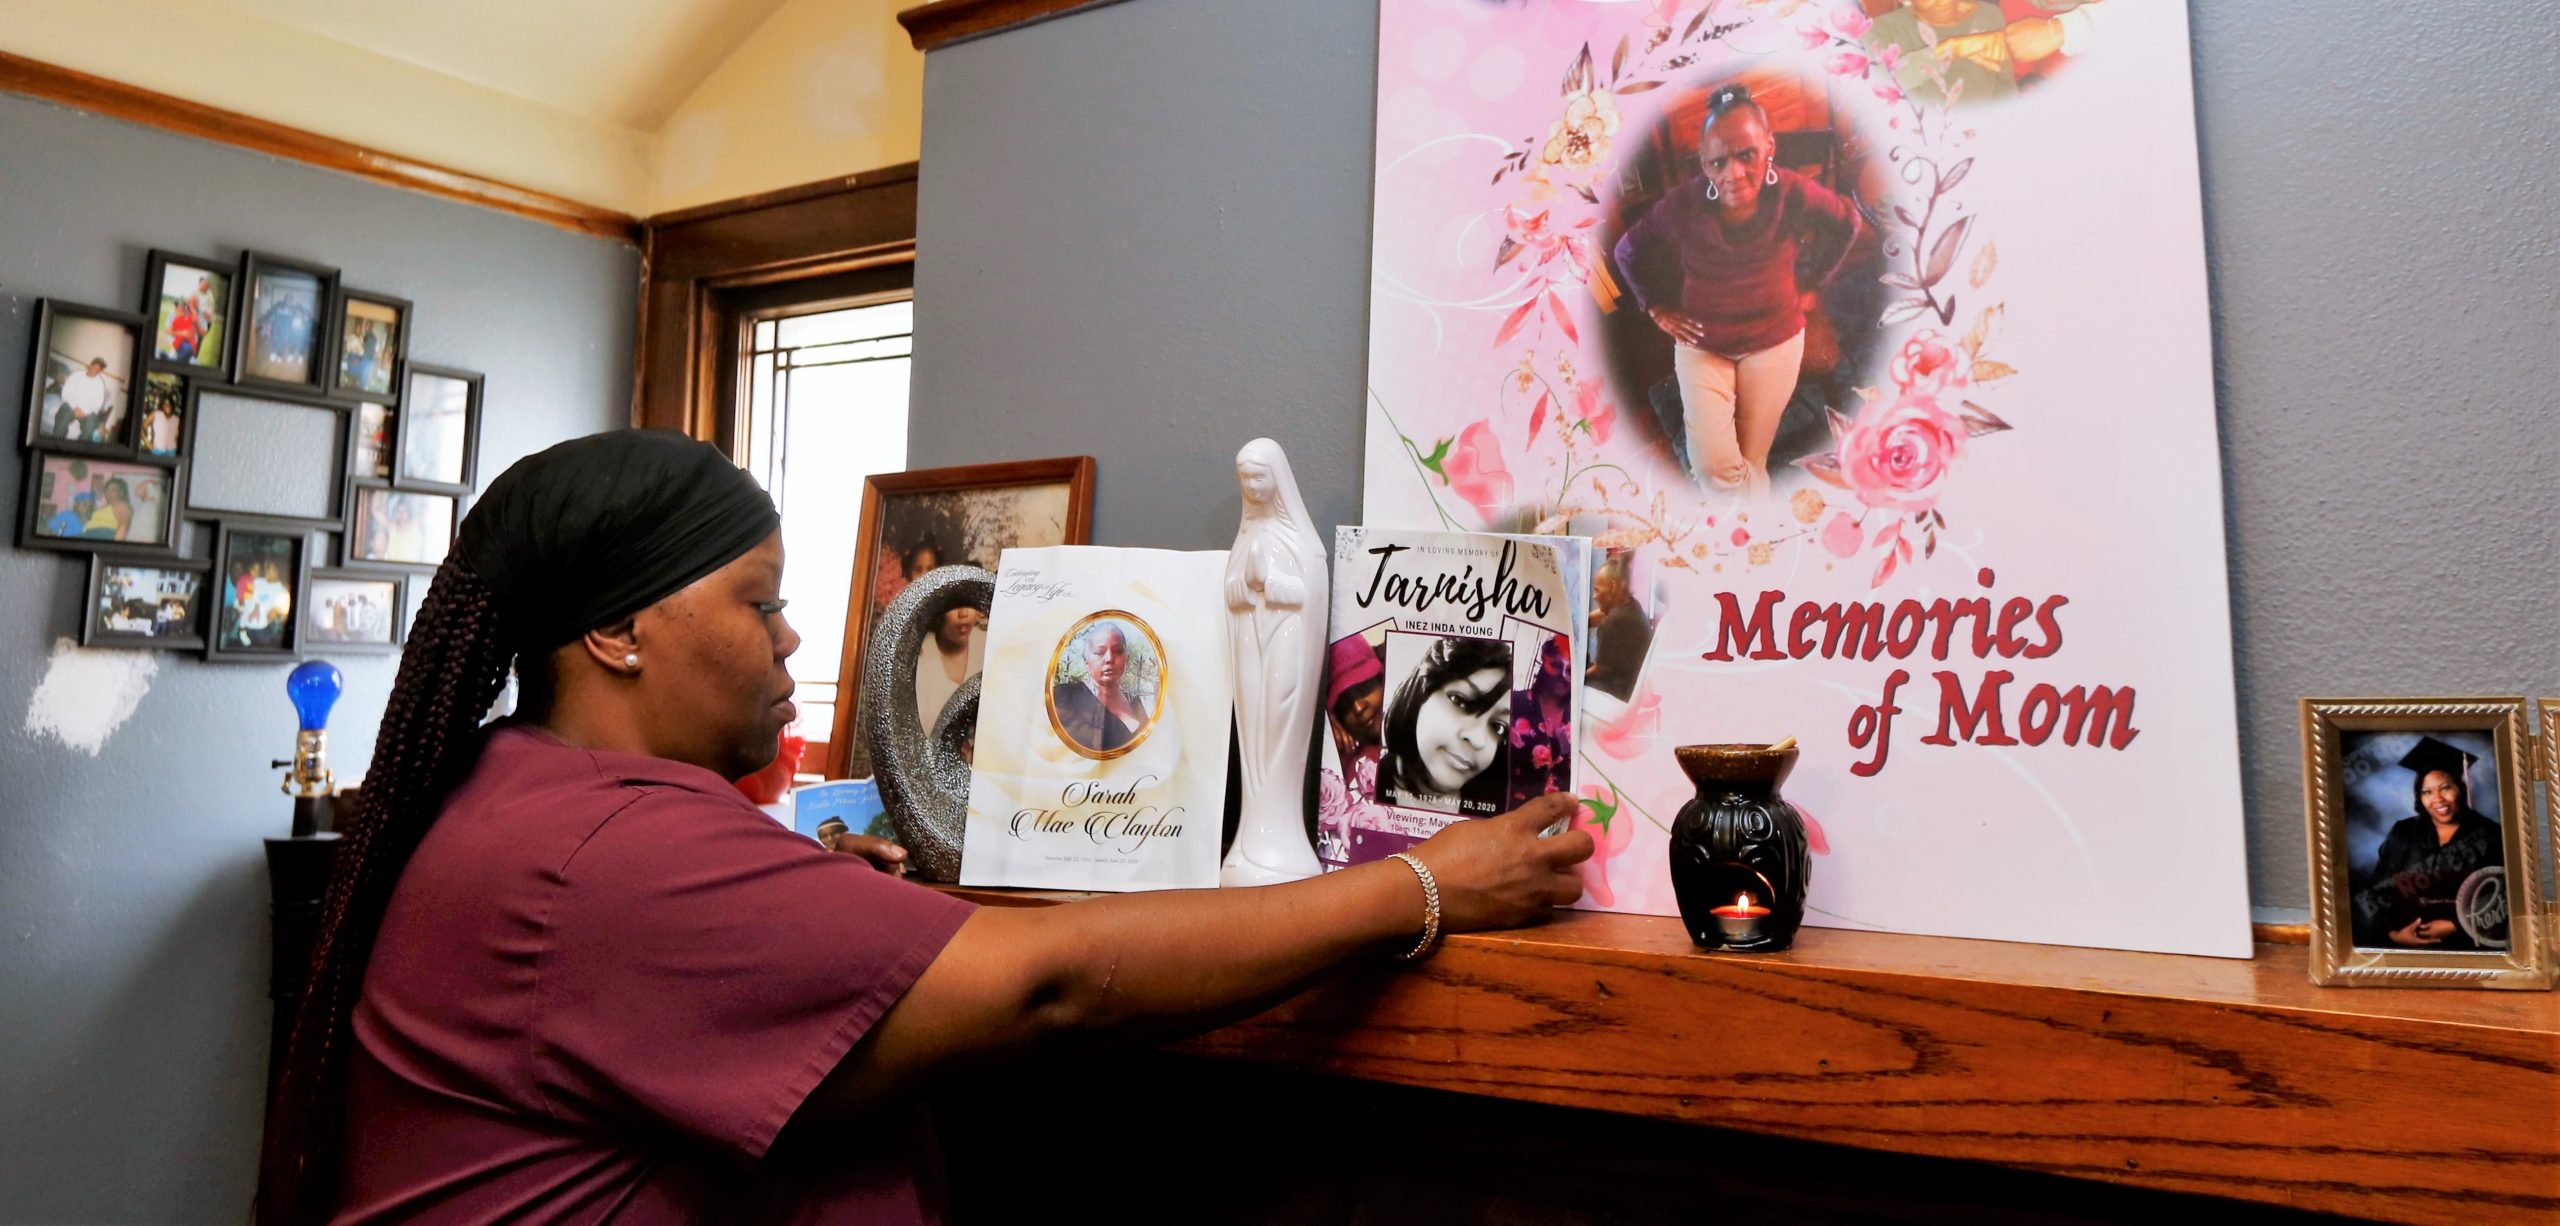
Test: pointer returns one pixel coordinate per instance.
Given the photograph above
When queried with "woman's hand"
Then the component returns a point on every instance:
(884, 855)
(2418, 934)
(1496, 872)
(1681, 326)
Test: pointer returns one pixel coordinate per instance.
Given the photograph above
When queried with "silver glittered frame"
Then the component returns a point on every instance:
(2336, 960)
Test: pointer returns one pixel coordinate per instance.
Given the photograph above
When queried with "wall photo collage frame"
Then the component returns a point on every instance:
(264, 402)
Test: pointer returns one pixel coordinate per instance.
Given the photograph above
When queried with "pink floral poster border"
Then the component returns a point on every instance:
(1526, 430)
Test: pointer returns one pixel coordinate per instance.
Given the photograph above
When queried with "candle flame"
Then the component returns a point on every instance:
(1742, 902)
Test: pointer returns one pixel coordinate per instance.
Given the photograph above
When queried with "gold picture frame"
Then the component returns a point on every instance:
(2355, 757)
(1059, 677)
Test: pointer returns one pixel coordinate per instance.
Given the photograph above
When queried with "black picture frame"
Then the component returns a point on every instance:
(30, 533)
(51, 313)
(95, 633)
(391, 363)
(412, 416)
(228, 535)
(154, 284)
(354, 551)
(317, 638)
(341, 452)
(251, 367)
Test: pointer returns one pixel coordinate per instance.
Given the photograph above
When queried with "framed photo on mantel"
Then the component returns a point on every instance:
(2425, 856)
(913, 522)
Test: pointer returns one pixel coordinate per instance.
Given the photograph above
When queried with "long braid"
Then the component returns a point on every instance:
(456, 659)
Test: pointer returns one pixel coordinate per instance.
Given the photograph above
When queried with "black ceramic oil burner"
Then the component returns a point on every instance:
(1738, 854)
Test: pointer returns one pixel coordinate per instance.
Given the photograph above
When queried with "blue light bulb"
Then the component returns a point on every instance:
(314, 686)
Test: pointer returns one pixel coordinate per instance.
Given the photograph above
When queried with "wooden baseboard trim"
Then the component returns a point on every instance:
(116, 100)
(945, 22)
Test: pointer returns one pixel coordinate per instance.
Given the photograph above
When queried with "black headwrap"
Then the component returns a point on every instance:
(598, 528)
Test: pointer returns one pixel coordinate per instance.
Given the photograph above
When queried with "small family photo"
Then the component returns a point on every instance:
(2425, 848)
(373, 442)
(164, 413)
(100, 500)
(284, 324)
(256, 589)
(1622, 623)
(402, 527)
(352, 610)
(85, 380)
(368, 344)
(1447, 724)
(149, 606)
(1106, 683)
(439, 428)
(1355, 700)
(190, 312)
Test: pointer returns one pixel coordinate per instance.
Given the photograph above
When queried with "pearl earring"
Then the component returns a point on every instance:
(632, 660)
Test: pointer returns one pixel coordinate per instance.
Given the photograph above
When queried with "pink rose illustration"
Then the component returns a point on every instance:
(1815, 840)
(1634, 732)
(1841, 536)
(1896, 452)
(1926, 366)
(1599, 415)
(1476, 472)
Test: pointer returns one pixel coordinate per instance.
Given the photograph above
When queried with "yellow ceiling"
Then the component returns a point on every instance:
(580, 98)
(624, 62)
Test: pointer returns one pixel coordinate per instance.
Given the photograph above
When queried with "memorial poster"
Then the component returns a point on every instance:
(1869, 341)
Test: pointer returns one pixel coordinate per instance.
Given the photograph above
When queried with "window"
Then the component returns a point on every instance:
(825, 395)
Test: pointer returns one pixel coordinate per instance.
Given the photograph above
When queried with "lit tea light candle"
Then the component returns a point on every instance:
(1740, 919)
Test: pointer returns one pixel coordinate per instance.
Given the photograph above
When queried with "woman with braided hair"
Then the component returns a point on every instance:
(567, 973)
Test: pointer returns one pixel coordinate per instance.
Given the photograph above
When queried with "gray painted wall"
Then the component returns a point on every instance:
(1145, 236)
(133, 913)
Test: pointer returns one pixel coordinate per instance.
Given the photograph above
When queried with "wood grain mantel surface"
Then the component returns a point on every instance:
(2230, 1078)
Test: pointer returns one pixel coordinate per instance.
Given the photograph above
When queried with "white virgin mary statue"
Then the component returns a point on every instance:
(1276, 609)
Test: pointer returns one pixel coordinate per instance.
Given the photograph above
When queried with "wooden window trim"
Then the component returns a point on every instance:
(937, 25)
(698, 259)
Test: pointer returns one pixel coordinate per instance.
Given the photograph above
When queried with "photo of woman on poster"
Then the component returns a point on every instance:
(1729, 266)
(1448, 723)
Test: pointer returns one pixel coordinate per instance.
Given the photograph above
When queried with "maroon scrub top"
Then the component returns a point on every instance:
(604, 984)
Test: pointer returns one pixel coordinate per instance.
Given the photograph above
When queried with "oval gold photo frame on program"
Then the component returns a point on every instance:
(1164, 678)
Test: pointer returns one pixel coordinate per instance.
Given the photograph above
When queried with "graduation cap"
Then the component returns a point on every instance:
(2431, 754)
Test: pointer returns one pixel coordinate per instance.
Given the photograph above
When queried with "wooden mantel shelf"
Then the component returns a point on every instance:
(2230, 1078)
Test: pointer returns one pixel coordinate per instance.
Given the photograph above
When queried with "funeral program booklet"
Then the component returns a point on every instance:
(1101, 760)
(1452, 684)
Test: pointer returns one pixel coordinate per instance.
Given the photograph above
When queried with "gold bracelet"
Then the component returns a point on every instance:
(1430, 909)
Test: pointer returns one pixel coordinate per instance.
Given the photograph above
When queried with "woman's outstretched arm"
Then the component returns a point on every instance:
(1016, 979)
